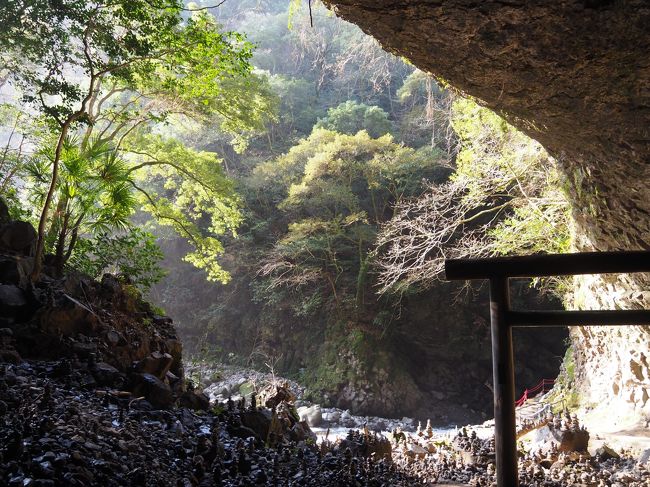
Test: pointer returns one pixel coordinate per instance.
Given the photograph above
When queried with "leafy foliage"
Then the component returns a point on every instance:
(347, 188)
(107, 72)
(186, 190)
(504, 197)
(351, 117)
(132, 255)
(93, 192)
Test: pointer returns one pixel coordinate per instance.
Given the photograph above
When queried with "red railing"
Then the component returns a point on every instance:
(543, 386)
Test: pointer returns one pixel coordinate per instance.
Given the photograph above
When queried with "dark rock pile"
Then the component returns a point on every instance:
(56, 430)
(106, 324)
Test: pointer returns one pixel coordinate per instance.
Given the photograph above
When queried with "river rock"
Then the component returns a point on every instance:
(333, 416)
(312, 415)
(605, 453)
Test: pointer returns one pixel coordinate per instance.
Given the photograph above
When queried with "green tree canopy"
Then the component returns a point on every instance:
(351, 117)
(339, 189)
(505, 196)
(108, 71)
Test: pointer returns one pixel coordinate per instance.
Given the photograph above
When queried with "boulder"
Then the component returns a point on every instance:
(84, 349)
(258, 421)
(566, 441)
(157, 363)
(106, 375)
(12, 299)
(196, 400)
(605, 453)
(69, 318)
(18, 237)
(15, 270)
(175, 349)
(332, 416)
(312, 415)
(153, 390)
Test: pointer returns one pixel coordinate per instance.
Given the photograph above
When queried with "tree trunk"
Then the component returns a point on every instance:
(40, 242)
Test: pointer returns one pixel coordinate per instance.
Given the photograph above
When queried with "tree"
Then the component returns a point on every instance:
(502, 199)
(427, 113)
(80, 48)
(186, 190)
(93, 192)
(132, 255)
(351, 117)
(347, 186)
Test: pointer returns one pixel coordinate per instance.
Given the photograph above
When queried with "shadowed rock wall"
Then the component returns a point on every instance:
(574, 75)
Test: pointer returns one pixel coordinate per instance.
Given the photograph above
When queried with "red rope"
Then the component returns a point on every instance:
(534, 391)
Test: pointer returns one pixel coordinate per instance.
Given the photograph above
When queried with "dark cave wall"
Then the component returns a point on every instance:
(574, 75)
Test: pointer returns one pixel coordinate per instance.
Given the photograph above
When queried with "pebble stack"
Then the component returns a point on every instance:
(57, 430)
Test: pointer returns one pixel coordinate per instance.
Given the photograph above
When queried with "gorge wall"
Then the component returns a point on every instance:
(574, 75)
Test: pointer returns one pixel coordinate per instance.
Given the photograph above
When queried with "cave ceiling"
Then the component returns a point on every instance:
(574, 75)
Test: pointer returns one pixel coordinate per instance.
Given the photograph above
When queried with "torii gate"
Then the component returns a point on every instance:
(502, 319)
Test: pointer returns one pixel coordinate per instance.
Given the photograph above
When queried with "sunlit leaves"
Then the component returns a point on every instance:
(347, 187)
(505, 197)
(186, 190)
(350, 117)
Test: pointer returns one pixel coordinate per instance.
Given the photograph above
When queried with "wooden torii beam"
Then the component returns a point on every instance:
(502, 319)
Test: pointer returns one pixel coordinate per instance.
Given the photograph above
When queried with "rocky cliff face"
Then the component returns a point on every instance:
(105, 326)
(574, 75)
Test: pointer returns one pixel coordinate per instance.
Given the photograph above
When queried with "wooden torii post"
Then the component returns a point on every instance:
(503, 319)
